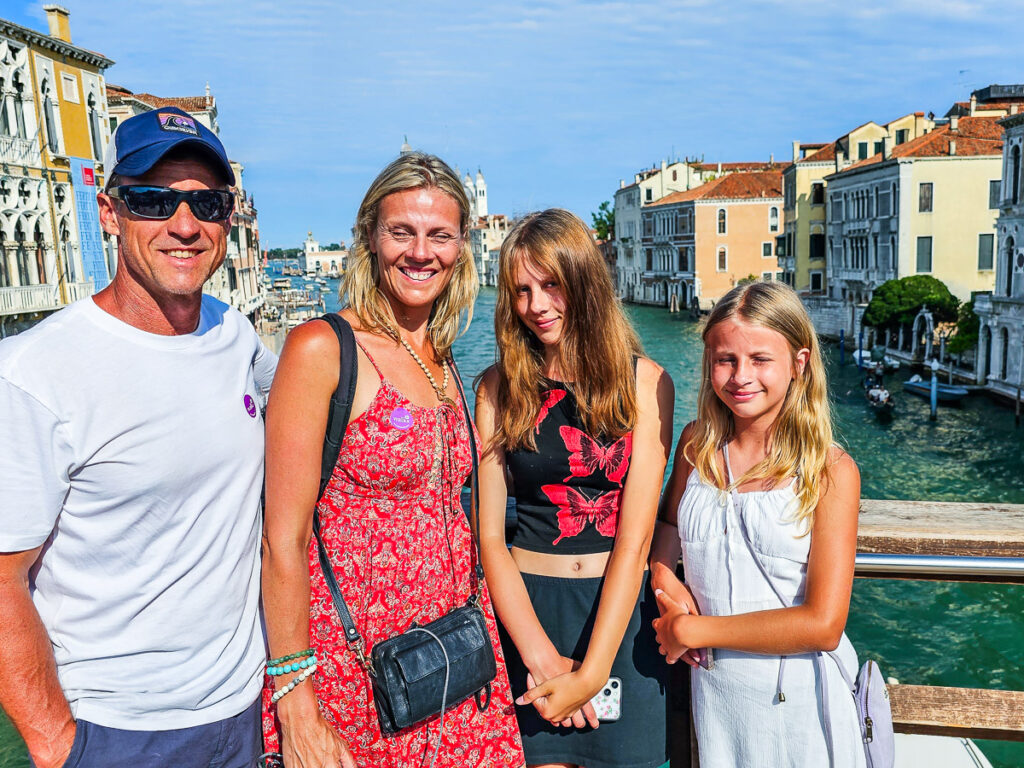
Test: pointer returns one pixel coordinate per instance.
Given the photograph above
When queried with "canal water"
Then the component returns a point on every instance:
(967, 635)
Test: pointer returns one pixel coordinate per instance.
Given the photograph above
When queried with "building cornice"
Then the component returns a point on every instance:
(32, 37)
(1011, 121)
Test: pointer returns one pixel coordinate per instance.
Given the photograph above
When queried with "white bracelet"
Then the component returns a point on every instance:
(295, 681)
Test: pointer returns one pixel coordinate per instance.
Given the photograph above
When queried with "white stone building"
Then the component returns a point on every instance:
(323, 263)
(1001, 313)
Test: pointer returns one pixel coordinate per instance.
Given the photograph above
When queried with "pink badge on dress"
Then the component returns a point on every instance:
(401, 418)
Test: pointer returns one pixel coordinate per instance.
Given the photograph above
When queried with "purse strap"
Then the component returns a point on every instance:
(337, 422)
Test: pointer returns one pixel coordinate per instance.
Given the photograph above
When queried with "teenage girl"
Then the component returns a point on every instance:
(759, 491)
(580, 424)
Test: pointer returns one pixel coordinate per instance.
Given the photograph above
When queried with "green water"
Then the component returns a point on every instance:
(967, 635)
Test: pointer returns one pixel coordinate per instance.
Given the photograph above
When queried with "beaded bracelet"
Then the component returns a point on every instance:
(295, 666)
(291, 686)
(289, 657)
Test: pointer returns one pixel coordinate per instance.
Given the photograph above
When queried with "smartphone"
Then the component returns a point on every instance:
(705, 658)
(608, 701)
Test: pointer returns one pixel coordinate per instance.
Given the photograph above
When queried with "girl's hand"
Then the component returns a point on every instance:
(563, 698)
(557, 666)
(312, 743)
(671, 628)
(663, 579)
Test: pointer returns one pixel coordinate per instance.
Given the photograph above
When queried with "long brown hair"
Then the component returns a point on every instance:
(801, 436)
(453, 309)
(597, 346)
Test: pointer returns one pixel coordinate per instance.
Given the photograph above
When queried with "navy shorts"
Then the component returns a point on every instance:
(234, 742)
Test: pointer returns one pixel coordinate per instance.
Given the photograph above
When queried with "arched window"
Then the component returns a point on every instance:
(21, 256)
(721, 221)
(1004, 337)
(1015, 174)
(894, 190)
(773, 219)
(19, 108)
(1009, 265)
(5, 124)
(94, 129)
(892, 252)
(40, 254)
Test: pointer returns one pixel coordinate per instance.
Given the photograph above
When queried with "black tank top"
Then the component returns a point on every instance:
(569, 491)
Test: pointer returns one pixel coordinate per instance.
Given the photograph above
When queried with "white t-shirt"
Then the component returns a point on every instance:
(137, 459)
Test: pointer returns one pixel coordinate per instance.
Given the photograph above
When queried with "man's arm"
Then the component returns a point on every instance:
(29, 690)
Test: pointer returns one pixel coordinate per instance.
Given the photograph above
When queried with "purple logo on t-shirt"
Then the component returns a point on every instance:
(401, 418)
(250, 405)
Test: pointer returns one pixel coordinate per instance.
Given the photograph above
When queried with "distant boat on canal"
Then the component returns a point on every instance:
(946, 393)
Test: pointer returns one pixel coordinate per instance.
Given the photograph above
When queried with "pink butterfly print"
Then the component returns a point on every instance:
(586, 455)
(575, 510)
(552, 399)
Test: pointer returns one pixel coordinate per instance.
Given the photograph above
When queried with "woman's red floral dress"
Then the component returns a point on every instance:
(402, 552)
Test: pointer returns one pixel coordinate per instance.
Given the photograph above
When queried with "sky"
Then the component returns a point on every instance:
(554, 101)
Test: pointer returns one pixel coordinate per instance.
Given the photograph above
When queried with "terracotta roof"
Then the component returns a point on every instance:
(117, 94)
(755, 166)
(975, 136)
(826, 154)
(743, 185)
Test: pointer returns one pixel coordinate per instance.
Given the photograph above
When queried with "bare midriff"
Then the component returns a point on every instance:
(590, 566)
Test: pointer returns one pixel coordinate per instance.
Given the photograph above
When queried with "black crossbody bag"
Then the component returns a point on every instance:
(427, 669)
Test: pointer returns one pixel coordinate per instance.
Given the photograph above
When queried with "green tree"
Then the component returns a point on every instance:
(604, 221)
(967, 328)
(897, 302)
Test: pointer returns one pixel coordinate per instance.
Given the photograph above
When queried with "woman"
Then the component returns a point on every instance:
(399, 543)
(581, 424)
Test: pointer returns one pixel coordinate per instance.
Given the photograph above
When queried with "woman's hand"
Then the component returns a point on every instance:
(671, 628)
(565, 698)
(310, 742)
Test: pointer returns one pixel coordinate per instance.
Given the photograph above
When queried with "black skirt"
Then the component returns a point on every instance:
(566, 608)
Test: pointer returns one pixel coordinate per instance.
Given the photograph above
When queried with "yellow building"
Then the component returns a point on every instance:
(927, 207)
(801, 246)
(53, 131)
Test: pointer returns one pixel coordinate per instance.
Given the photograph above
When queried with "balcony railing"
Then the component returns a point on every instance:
(40, 298)
(18, 151)
(29, 298)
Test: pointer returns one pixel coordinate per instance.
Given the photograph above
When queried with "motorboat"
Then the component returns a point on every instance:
(947, 394)
(865, 358)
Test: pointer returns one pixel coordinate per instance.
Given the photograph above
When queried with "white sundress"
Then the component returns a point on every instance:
(739, 718)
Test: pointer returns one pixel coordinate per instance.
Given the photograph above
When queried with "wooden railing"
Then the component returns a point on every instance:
(928, 541)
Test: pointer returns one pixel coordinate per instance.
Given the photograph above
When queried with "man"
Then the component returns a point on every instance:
(130, 471)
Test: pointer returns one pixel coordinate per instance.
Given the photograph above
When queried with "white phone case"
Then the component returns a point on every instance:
(608, 701)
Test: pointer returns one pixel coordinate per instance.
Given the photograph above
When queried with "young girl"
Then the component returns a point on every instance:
(759, 491)
(582, 426)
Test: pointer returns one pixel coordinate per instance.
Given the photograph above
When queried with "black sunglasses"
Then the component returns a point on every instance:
(162, 202)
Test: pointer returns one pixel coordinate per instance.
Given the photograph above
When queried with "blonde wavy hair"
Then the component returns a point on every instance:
(598, 343)
(801, 436)
(453, 309)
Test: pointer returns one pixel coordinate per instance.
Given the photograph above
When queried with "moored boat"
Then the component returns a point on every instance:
(945, 393)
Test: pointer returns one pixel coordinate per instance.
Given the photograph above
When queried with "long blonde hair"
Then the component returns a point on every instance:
(801, 436)
(453, 309)
(597, 346)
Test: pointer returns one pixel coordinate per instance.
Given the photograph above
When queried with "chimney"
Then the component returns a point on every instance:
(57, 18)
(719, 168)
(1014, 109)
(622, 183)
(796, 151)
(974, 103)
(954, 122)
(952, 147)
(886, 147)
(663, 166)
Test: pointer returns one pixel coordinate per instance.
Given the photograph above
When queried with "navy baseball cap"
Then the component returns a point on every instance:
(141, 141)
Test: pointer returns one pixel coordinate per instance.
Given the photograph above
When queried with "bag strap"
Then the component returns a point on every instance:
(340, 410)
(341, 402)
(474, 483)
